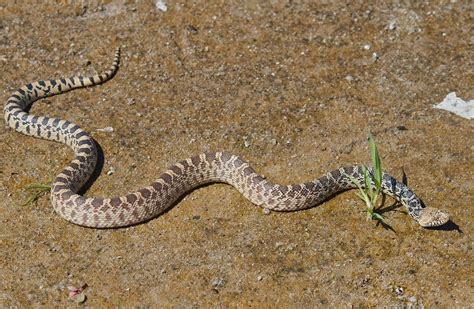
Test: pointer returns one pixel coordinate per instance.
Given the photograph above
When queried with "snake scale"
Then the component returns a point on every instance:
(151, 201)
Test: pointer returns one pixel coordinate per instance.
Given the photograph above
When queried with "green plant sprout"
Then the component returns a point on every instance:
(35, 192)
(373, 183)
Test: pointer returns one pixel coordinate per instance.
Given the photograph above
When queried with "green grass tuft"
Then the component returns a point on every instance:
(372, 183)
(35, 192)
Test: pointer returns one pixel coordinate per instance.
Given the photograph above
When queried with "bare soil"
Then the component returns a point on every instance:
(291, 86)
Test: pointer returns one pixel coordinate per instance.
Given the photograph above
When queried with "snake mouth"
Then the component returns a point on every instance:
(432, 217)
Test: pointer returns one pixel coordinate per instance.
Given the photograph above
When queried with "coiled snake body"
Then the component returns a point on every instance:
(180, 178)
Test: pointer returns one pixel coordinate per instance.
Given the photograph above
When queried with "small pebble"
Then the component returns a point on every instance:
(375, 56)
(399, 291)
(106, 129)
(266, 211)
(259, 278)
(217, 282)
(193, 29)
(366, 46)
(79, 298)
(111, 171)
(349, 78)
(392, 25)
(161, 5)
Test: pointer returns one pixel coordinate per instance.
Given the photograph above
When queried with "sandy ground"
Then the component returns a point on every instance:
(291, 86)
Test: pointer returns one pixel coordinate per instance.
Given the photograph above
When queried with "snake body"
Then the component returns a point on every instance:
(182, 177)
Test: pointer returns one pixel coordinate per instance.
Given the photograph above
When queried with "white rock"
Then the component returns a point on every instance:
(392, 25)
(161, 5)
(106, 129)
(218, 282)
(458, 106)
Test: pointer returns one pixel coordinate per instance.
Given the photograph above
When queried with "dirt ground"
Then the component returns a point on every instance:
(291, 86)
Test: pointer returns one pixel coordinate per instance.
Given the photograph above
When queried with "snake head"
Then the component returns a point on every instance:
(431, 217)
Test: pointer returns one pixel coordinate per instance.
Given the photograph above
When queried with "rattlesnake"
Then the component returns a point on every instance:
(151, 201)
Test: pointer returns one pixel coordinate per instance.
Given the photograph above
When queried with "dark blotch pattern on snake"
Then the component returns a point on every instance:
(151, 201)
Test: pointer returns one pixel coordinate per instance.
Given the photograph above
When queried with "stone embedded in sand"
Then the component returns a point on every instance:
(457, 105)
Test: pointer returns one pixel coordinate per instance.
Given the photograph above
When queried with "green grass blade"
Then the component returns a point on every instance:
(38, 186)
(35, 192)
(367, 180)
(362, 193)
(364, 197)
(378, 216)
(355, 181)
(377, 164)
